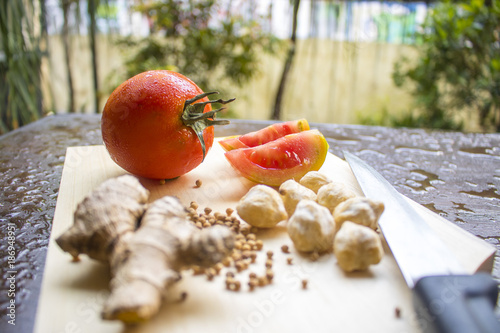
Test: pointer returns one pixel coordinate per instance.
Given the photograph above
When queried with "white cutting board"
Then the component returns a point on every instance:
(73, 293)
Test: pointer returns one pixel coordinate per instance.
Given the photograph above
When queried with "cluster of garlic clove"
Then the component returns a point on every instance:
(321, 215)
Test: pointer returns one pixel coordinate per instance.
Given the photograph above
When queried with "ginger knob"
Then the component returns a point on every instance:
(292, 192)
(261, 207)
(311, 227)
(357, 247)
(314, 180)
(332, 194)
(359, 210)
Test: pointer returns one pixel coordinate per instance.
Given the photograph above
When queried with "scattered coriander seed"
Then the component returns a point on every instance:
(233, 285)
(162, 182)
(239, 265)
(269, 254)
(252, 284)
(246, 247)
(259, 244)
(236, 255)
(269, 263)
(285, 249)
(237, 285)
(252, 275)
(289, 261)
(218, 267)
(193, 205)
(269, 274)
(229, 211)
(230, 274)
(183, 296)
(226, 261)
(246, 254)
(197, 183)
(251, 237)
(263, 281)
(229, 282)
(304, 284)
(397, 312)
(207, 210)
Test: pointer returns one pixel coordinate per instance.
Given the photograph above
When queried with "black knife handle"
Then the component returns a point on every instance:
(457, 303)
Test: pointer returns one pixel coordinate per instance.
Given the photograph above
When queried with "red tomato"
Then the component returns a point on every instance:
(290, 156)
(157, 125)
(267, 134)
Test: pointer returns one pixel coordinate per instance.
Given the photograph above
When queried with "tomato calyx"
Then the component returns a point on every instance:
(193, 116)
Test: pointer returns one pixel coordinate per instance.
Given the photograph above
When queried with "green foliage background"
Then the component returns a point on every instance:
(21, 53)
(456, 75)
(457, 72)
(186, 38)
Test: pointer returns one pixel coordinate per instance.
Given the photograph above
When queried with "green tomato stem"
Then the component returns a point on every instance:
(193, 115)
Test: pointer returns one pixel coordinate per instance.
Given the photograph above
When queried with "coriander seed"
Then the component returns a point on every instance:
(304, 284)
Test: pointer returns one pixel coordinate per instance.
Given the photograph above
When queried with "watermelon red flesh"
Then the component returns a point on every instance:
(291, 156)
(265, 135)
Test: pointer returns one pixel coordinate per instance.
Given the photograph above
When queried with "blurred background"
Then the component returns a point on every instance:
(390, 63)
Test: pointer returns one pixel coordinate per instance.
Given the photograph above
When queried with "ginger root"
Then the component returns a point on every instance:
(145, 258)
(150, 261)
(111, 211)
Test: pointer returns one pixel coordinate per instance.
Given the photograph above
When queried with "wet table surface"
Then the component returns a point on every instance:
(457, 175)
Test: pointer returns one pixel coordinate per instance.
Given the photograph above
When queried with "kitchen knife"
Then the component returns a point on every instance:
(446, 299)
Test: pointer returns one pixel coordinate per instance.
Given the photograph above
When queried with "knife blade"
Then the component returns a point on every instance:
(445, 298)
